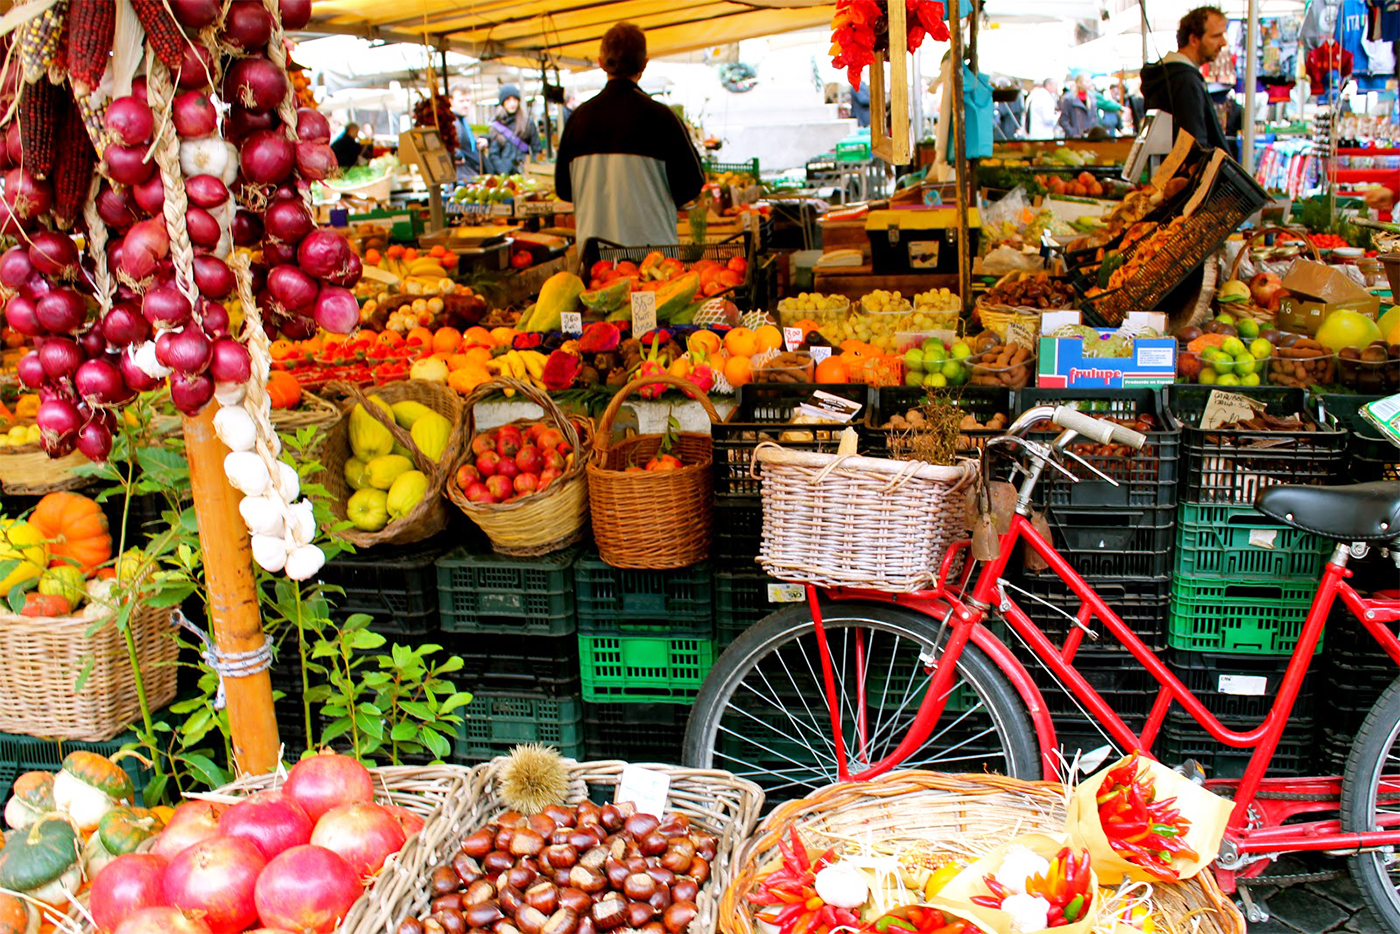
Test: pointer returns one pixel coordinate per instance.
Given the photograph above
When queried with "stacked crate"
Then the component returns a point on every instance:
(1242, 583)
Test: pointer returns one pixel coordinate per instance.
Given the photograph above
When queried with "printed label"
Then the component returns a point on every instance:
(1244, 685)
(786, 593)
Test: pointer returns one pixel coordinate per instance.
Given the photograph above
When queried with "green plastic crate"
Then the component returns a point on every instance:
(853, 151)
(740, 601)
(1245, 617)
(747, 167)
(643, 668)
(20, 753)
(1240, 543)
(487, 592)
(615, 600)
(496, 721)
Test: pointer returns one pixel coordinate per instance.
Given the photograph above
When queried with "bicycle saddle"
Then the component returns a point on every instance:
(1361, 512)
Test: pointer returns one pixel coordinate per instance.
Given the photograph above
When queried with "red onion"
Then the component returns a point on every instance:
(10, 224)
(247, 228)
(138, 89)
(13, 147)
(299, 327)
(129, 121)
(203, 228)
(36, 287)
(15, 267)
(295, 13)
(350, 274)
(128, 164)
(194, 115)
(248, 25)
(60, 357)
(53, 253)
(312, 126)
(143, 247)
(30, 370)
(93, 342)
(135, 377)
(241, 122)
(316, 161)
(94, 442)
(196, 14)
(286, 190)
(337, 310)
(288, 220)
(166, 307)
(185, 351)
(212, 276)
(100, 382)
(125, 325)
(150, 195)
(206, 191)
(196, 68)
(266, 157)
(116, 207)
(20, 314)
(27, 196)
(291, 287)
(275, 252)
(255, 84)
(62, 311)
(58, 421)
(191, 392)
(323, 253)
(230, 362)
(213, 318)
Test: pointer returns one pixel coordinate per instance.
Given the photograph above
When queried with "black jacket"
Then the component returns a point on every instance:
(1180, 90)
(1076, 119)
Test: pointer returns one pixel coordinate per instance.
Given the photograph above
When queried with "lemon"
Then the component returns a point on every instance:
(20, 541)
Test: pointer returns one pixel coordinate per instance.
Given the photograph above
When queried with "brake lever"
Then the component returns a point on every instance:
(1086, 464)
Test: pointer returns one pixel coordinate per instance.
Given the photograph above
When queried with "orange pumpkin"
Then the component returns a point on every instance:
(283, 390)
(76, 529)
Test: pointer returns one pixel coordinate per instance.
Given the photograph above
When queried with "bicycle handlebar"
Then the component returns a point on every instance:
(1100, 430)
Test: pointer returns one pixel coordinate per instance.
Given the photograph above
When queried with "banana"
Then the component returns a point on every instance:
(534, 364)
(426, 266)
(515, 364)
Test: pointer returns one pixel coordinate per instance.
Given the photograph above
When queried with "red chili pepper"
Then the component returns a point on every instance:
(986, 901)
(799, 850)
(999, 890)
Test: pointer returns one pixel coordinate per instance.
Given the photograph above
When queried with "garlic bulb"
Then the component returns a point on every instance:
(145, 359)
(247, 472)
(235, 428)
(270, 553)
(291, 484)
(842, 885)
(229, 393)
(305, 562)
(263, 515)
(301, 522)
(206, 156)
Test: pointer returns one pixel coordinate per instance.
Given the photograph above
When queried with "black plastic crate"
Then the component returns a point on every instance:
(745, 296)
(1145, 478)
(1233, 465)
(397, 586)
(1183, 738)
(1333, 748)
(762, 413)
(634, 732)
(1370, 456)
(1114, 543)
(483, 592)
(737, 532)
(981, 402)
(741, 599)
(498, 661)
(612, 599)
(1240, 686)
(1143, 604)
(1123, 683)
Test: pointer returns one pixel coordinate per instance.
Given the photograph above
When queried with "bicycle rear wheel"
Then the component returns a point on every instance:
(762, 712)
(1370, 792)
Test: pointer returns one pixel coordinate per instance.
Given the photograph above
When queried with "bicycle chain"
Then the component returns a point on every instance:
(1292, 878)
(1282, 796)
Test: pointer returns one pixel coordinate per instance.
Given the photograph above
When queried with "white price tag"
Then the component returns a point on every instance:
(571, 322)
(645, 788)
(643, 313)
(786, 593)
(1263, 538)
(820, 353)
(1244, 685)
(792, 338)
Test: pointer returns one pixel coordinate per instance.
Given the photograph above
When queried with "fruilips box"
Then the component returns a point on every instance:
(1064, 363)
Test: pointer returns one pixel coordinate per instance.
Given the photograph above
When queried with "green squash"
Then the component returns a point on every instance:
(30, 798)
(124, 828)
(43, 861)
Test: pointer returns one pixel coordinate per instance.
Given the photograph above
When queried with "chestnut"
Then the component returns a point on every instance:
(609, 911)
(639, 887)
(479, 844)
(639, 913)
(503, 838)
(662, 875)
(542, 824)
(588, 811)
(639, 825)
(508, 819)
(587, 880)
(582, 840)
(560, 855)
(444, 881)
(477, 931)
(612, 819)
(653, 927)
(706, 846)
(542, 896)
(675, 824)
(616, 872)
(679, 916)
(410, 926)
(451, 902)
(685, 890)
(526, 842)
(576, 900)
(626, 809)
(432, 926)
(560, 836)
(521, 877)
(484, 915)
(467, 869)
(699, 869)
(511, 899)
(637, 863)
(496, 862)
(562, 816)
(563, 921)
(653, 844)
(661, 899)
(676, 860)
(479, 893)
(618, 848)
(586, 925)
(530, 920)
(452, 921)
(594, 858)
(561, 877)
(504, 927)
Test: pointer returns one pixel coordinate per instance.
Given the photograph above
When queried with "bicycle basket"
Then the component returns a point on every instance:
(847, 521)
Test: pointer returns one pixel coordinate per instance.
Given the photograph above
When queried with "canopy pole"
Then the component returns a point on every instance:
(1146, 27)
(915, 88)
(234, 620)
(445, 92)
(1251, 52)
(960, 167)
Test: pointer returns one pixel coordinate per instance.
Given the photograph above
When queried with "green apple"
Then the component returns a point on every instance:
(934, 353)
(954, 372)
(1261, 349)
(935, 381)
(913, 378)
(1208, 354)
(1251, 379)
(1245, 364)
(914, 359)
(1207, 377)
(960, 351)
(1228, 379)
(1223, 363)
(1248, 328)
(1232, 346)
(1225, 318)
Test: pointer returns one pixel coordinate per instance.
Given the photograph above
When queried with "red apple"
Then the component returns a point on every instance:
(466, 475)
(528, 459)
(484, 442)
(478, 493)
(552, 458)
(532, 433)
(508, 441)
(550, 438)
(507, 468)
(527, 483)
(487, 463)
(500, 486)
(547, 476)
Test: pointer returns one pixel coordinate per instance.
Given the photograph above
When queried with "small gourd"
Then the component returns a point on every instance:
(88, 786)
(17, 916)
(44, 861)
(124, 828)
(30, 798)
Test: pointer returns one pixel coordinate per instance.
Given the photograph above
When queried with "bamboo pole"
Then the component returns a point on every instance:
(234, 620)
(960, 166)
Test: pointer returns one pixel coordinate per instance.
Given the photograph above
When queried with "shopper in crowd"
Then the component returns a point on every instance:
(1078, 109)
(1042, 110)
(513, 134)
(471, 149)
(860, 105)
(1010, 115)
(352, 144)
(1176, 85)
(625, 160)
(1110, 110)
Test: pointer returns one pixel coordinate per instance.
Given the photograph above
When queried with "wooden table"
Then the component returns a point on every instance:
(855, 281)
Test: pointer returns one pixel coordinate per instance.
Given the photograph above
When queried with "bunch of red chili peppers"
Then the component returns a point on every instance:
(791, 893)
(860, 28)
(918, 919)
(1065, 885)
(1141, 829)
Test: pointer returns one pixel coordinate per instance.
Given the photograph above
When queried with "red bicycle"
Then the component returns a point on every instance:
(853, 683)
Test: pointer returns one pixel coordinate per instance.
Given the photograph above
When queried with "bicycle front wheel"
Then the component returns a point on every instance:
(762, 712)
(1371, 799)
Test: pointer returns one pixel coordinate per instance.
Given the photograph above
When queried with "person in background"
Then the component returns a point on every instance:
(1110, 110)
(860, 105)
(513, 134)
(1009, 118)
(1176, 85)
(351, 144)
(1042, 110)
(471, 150)
(1078, 109)
(625, 160)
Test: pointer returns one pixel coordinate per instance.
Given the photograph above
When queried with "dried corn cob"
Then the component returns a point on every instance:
(163, 34)
(91, 28)
(41, 42)
(73, 168)
(38, 126)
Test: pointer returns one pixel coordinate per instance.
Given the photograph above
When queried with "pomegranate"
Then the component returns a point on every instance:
(125, 886)
(319, 783)
(307, 888)
(363, 834)
(216, 877)
(272, 820)
(161, 921)
(410, 822)
(192, 822)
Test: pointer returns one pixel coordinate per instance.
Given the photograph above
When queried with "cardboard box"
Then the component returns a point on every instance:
(404, 225)
(1317, 291)
(1063, 363)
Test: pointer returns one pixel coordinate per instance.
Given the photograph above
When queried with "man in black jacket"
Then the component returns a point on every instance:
(625, 160)
(1175, 84)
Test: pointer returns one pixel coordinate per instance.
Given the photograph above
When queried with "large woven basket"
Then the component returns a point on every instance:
(31, 472)
(429, 517)
(718, 802)
(440, 794)
(658, 519)
(965, 815)
(541, 522)
(42, 659)
(312, 412)
(838, 520)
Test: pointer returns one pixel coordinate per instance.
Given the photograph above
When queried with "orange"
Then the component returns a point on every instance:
(739, 264)
(409, 255)
(438, 250)
(738, 370)
(456, 361)
(421, 335)
(831, 370)
(707, 341)
(503, 336)
(372, 258)
(477, 336)
(446, 340)
(729, 278)
(741, 342)
(390, 338)
(769, 337)
(396, 251)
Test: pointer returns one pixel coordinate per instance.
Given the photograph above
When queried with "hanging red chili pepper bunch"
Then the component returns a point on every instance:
(919, 919)
(1064, 887)
(1141, 829)
(861, 28)
(790, 893)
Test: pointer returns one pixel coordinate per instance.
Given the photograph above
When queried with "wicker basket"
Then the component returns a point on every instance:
(652, 519)
(312, 412)
(430, 515)
(998, 317)
(41, 660)
(440, 794)
(718, 802)
(838, 520)
(541, 522)
(30, 472)
(967, 815)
